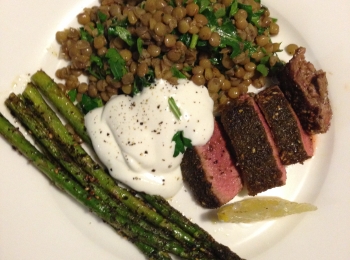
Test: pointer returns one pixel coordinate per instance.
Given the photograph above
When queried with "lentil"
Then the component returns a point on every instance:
(291, 48)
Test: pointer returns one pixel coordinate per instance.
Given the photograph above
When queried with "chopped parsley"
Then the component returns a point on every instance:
(96, 67)
(84, 35)
(88, 103)
(204, 5)
(141, 82)
(176, 73)
(172, 3)
(116, 63)
(262, 69)
(100, 28)
(233, 8)
(227, 32)
(97, 60)
(229, 37)
(101, 16)
(220, 13)
(139, 43)
(72, 94)
(265, 59)
(253, 17)
(250, 47)
(181, 143)
(121, 23)
(123, 33)
(185, 38)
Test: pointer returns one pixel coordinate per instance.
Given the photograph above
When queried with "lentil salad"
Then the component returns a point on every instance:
(122, 46)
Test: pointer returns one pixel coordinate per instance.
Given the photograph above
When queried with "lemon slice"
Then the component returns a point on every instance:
(261, 208)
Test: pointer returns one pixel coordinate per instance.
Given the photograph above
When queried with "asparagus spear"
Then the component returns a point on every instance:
(73, 115)
(30, 120)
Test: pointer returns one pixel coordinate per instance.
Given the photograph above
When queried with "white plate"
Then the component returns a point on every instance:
(39, 222)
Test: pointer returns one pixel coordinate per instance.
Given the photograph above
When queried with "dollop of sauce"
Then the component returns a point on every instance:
(132, 136)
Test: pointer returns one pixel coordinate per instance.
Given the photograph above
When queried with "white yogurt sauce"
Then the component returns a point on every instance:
(132, 136)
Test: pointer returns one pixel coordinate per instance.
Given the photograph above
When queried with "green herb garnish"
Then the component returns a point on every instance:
(248, 9)
(101, 16)
(265, 59)
(116, 63)
(185, 38)
(72, 94)
(181, 143)
(216, 60)
(194, 40)
(96, 67)
(141, 82)
(202, 43)
(250, 47)
(263, 69)
(176, 73)
(204, 5)
(122, 23)
(84, 35)
(139, 43)
(220, 13)
(229, 37)
(187, 68)
(227, 32)
(233, 8)
(174, 108)
(100, 28)
(171, 3)
(253, 17)
(123, 33)
(256, 17)
(88, 103)
(96, 60)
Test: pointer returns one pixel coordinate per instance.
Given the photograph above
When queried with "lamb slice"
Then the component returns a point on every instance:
(210, 173)
(306, 90)
(256, 153)
(293, 144)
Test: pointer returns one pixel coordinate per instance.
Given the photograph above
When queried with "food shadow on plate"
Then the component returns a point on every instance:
(210, 215)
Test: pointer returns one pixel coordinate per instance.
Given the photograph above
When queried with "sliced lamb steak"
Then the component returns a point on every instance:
(210, 172)
(293, 144)
(256, 153)
(306, 90)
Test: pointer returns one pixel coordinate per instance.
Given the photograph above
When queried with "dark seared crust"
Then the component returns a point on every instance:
(283, 124)
(194, 175)
(253, 151)
(306, 90)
